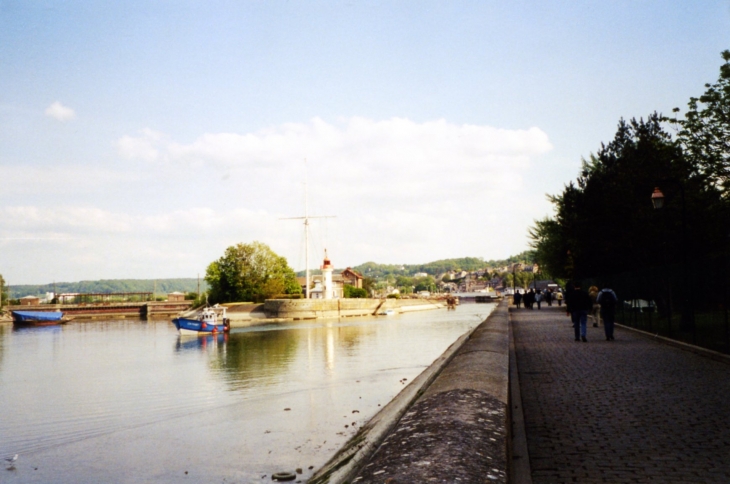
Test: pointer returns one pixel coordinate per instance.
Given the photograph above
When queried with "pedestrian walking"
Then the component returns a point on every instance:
(549, 297)
(538, 298)
(595, 308)
(559, 297)
(608, 302)
(517, 298)
(577, 304)
(529, 299)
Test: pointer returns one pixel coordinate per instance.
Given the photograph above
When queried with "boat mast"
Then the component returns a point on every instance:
(306, 231)
(306, 235)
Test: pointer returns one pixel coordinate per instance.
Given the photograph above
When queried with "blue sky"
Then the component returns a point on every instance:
(139, 139)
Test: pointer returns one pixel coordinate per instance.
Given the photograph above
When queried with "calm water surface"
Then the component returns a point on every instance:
(131, 401)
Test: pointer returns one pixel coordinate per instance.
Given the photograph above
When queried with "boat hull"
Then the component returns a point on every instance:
(195, 326)
(38, 318)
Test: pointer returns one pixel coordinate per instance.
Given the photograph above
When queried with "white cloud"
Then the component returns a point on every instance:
(362, 157)
(60, 112)
(140, 147)
(47, 180)
(395, 143)
(402, 192)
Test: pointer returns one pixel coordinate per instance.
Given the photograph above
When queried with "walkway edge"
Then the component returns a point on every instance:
(520, 470)
(356, 452)
(698, 350)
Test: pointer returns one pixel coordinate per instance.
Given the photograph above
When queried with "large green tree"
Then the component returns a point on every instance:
(250, 272)
(604, 222)
(704, 131)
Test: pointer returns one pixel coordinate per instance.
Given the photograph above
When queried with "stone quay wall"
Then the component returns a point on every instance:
(336, 308)
(451, 424)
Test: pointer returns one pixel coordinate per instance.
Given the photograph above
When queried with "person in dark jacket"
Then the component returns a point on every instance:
(608, 301)
(577, 304)
(517, 298)
(529, 299)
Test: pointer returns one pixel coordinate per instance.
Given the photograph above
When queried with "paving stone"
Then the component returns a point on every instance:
(629, 410)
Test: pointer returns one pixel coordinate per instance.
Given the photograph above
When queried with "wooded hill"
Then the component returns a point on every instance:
(158, 286)
(469, 264)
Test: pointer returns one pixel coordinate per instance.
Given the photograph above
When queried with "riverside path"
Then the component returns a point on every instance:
(630, 410)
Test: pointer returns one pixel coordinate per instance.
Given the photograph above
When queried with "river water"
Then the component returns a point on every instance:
(132, 402)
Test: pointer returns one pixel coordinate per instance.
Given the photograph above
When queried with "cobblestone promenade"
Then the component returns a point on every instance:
(629, 410)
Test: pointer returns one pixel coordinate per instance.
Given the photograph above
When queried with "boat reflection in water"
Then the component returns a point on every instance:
(51, 328)
(194, 342)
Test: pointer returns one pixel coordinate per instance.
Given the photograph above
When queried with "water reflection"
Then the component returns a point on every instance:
(102, 401)
(201, 343)
(255, 357)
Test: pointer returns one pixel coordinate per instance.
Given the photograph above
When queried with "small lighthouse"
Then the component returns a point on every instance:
(328, 289)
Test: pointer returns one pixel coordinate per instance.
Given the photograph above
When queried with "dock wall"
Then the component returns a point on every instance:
(136, 310)
(337, 308)
(451, 424)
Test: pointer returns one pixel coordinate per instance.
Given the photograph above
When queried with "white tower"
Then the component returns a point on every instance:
(328, 289)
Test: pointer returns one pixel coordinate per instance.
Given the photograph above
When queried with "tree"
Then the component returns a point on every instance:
(369, 283)
(3, 292)
(604, 222)
(427, 283)
(349, 291)
(250, 272)
(704, 133)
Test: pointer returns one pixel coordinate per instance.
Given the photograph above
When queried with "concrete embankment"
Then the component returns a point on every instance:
(283, 310)
(449, 425)
(113, 310)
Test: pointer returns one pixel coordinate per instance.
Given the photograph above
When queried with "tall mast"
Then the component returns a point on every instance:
(306, 231)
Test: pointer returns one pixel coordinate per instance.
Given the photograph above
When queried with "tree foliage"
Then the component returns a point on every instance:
(250, 272)
(3, 291)
(107, 286)
(604, 221)
(354, 292)
(381, 271)
(704, 132)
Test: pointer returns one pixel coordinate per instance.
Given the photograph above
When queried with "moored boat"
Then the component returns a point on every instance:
(39, 318)
(205, 321)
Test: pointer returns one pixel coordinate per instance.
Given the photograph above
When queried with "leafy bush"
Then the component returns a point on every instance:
(354, 292)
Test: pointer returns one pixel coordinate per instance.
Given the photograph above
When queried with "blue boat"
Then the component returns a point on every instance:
(38, 318)
(206, 321)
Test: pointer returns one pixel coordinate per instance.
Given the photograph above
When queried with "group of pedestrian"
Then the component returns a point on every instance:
(579, 303)
(532, 297)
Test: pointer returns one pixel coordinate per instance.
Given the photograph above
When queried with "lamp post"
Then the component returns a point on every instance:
(687, 322)
(513, 279)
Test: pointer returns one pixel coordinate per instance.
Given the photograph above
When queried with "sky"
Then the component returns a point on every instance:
(140, 139)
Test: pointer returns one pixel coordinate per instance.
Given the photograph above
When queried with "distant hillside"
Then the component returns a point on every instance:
(165, 286)
(159, 286)
(377, 271)
(469, 264)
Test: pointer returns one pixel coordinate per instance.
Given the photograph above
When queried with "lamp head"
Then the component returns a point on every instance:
(657, 198)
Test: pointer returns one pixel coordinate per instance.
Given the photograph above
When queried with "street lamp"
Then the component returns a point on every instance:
(657, 200)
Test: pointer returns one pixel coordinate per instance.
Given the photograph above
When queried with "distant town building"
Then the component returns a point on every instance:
(351, 278)
(30, 300)
(176, 296)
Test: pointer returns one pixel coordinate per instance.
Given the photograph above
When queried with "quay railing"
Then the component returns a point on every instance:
(688, 304)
